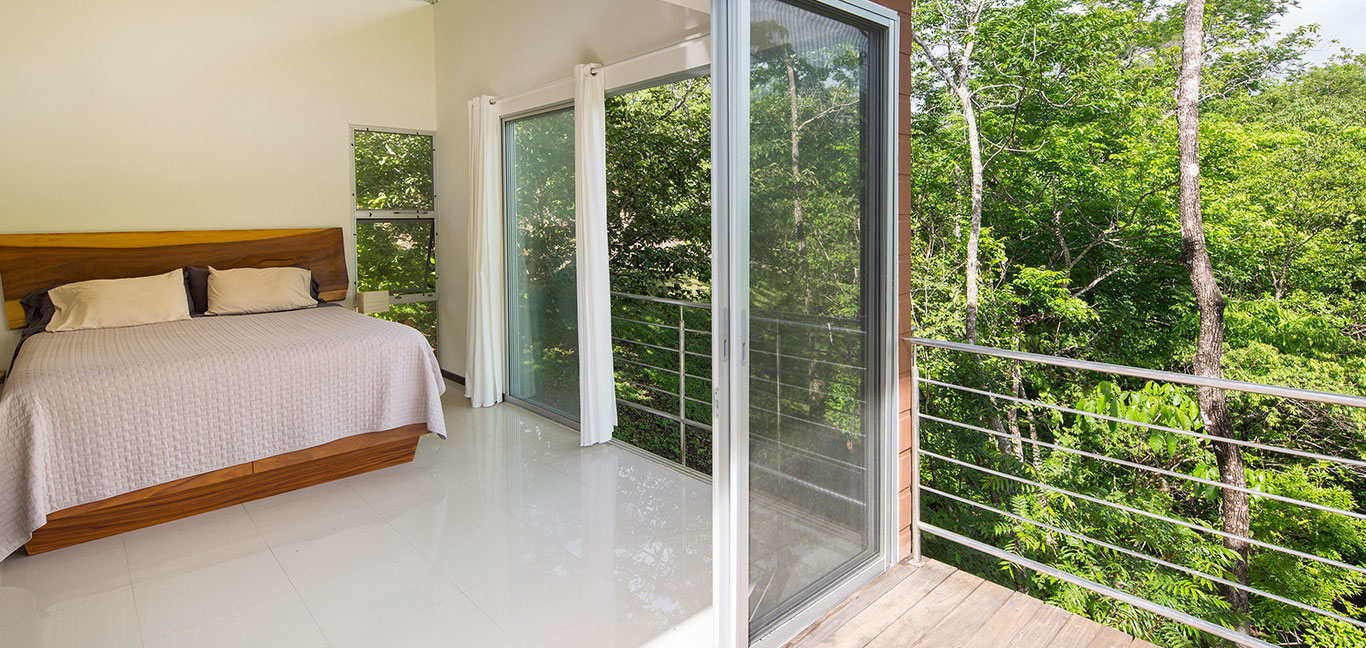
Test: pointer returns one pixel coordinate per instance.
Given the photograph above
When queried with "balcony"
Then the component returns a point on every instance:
(1109, 506)
(1005, 488)
(662, 353)
(803, 404)
(937, 605)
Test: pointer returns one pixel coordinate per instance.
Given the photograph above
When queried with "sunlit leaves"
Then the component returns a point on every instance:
(659, 190)
(1081, 258)
(394, 170)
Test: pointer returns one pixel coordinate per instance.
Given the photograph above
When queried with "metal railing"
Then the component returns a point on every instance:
(918, 489)
(677, 330)
(662, 350)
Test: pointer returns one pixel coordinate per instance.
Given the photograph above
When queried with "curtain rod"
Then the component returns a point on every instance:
(597, 68)
(535, 88)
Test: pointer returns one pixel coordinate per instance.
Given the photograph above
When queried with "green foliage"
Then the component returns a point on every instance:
(1080, 258)
(1044, 290)
(1165, 405)
(659, 190)
(394, 172)
(396, 255)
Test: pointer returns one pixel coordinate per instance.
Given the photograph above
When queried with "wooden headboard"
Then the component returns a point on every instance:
(32, 261)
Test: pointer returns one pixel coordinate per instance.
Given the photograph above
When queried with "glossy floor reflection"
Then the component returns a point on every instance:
(505, 534)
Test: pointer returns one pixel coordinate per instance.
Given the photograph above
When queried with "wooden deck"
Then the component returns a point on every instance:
(936, 605)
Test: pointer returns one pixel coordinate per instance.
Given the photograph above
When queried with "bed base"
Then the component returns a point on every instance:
(227, 487)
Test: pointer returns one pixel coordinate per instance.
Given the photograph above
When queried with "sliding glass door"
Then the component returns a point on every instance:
(806, 207)
(538, 177)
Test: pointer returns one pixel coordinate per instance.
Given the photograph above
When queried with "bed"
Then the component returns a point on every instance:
(108, 430)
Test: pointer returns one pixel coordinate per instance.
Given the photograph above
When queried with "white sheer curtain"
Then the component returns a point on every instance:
(485, 379)
(597, 386)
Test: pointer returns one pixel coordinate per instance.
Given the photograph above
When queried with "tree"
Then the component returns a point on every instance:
(959, 40)
(1209, 351)
(1081, 255)
(659, 190)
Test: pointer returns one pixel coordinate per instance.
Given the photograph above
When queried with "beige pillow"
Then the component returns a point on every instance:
(108, 303)
(259, 290)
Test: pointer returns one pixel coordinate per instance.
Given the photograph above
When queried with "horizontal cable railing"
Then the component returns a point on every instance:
(1032, 480)
(662, 353)
(1151, 426)
(646, 376)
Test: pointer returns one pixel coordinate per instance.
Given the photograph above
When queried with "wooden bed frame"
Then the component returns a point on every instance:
(227, 487)
(32, 261)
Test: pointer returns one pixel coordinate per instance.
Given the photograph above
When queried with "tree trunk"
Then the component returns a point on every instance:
(960, 82)
(798, 215)
(975, 219)
(1013, 414)
(1278, 280)
(1209, 343)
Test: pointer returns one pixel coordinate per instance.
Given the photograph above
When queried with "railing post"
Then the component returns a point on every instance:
(916, 556)
(778, 382)
(682, 389)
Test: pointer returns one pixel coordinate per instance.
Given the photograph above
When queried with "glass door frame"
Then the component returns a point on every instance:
(509, 190)
(672, 63)
(731, 69)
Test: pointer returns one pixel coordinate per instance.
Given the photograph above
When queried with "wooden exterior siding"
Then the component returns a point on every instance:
(903, 269)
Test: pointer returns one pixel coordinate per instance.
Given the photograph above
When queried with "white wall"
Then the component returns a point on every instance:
(176, 114)
(168, 114)
(499, 48)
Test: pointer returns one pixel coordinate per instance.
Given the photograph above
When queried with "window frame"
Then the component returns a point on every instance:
(359, 216)
(406, 297)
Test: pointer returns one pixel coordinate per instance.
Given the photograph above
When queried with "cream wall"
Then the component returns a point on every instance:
(176, 114)
(499, 48)
(166, 114)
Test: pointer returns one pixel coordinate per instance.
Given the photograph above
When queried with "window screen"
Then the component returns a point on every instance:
(394, 171)
(396, 255)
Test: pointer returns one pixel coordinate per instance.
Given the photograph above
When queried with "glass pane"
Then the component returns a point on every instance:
(812, 459)
(396, 255)
(543, 365)
(420, 315)
(393, 171)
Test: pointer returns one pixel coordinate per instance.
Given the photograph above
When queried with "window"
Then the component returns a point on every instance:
(395, 206)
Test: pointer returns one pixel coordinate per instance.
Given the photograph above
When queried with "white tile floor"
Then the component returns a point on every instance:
(505, 534)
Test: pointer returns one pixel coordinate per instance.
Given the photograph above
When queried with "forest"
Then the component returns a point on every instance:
(1048, 205)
